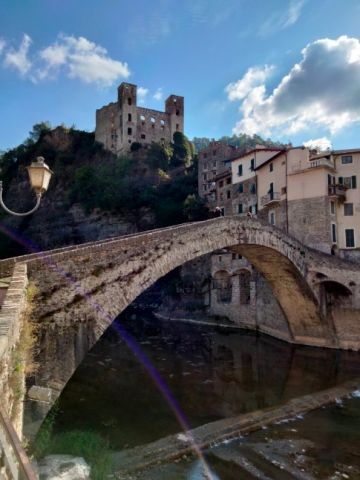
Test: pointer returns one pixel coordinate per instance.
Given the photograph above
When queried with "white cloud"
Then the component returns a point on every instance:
(321, 144)
(158, 95)
(82, 59)
(322, 90)
(76, 57)
(254, 77)
(2, 45)
(142, 93)
(18, 59)
(280, 20)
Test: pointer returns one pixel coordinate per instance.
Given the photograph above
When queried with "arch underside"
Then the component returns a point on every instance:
(98, 287)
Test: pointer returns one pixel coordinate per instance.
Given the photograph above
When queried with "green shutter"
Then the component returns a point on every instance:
(341, 180)
(353, 181)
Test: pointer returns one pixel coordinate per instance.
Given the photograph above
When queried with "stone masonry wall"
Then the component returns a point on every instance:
(10, 327)
(304, 214)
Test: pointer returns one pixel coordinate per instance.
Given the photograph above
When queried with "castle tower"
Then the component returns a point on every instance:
(174, 107)
(127, 100)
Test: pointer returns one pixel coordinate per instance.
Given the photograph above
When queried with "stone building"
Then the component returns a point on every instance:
(314, 197)
(213, 161)
(123, 122)
(311, 195)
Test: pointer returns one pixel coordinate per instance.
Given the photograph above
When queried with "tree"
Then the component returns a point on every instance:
(194, 208)
(158, 156)
(183, 150)
(38, 131)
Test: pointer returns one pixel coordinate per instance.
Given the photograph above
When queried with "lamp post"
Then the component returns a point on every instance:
(39, 174)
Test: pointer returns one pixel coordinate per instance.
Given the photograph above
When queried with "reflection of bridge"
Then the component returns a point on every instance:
(91, 284)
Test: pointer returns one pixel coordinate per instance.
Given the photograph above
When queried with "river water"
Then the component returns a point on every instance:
(212, 373)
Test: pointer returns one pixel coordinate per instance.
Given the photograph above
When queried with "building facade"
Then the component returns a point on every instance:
(122, 123)
(313, 196)
(213, 161)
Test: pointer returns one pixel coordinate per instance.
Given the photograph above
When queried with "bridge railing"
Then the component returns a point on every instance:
(14, 463)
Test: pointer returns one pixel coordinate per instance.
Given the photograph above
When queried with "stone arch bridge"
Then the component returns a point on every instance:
(91, 284)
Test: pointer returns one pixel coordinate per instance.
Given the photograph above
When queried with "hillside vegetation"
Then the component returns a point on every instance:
(147, 188)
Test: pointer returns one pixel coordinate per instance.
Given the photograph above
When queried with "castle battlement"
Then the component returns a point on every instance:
(121, 123)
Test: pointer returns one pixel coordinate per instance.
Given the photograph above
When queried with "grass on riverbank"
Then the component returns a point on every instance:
(86, 444)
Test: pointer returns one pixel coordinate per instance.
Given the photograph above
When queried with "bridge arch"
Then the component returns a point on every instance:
(95, 283)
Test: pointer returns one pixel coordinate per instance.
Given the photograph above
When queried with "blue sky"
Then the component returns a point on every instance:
(286, 69)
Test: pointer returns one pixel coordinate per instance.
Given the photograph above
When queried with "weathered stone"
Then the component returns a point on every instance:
(40, 394)
(63, 467)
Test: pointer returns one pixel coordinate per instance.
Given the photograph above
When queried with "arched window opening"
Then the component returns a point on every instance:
(222, 285)
(244, 284)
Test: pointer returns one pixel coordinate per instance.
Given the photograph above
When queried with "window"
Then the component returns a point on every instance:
(214, 152)
(129, 131)
(205, 155)
(129, 101)
(143, 136)
(205, 176)
(129, 117)
(271, 191)
(346, 159)
(241, 188)
(253, 188)
(240, 170)
(228, 181)
(177, 113)
(332, 208)
(349, 182)
(228, 194)
(349, 238)
(142, 119)
(283, 190)
(221, 184)
(348, 209)
(333, 232)
(240, 208)
(272, 217)
(252, 164)
(177, 127)
(162, 123)
(331, 180)
(221, 196)
(220, 258)
(271, 167)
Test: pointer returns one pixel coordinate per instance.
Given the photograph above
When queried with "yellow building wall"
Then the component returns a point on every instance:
(352, 196)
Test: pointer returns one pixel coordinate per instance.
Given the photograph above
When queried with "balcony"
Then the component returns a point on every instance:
(303, 166)
(270, 199)
(321, 162)
(337, 191)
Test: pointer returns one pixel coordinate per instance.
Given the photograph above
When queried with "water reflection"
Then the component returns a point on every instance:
(213, 374)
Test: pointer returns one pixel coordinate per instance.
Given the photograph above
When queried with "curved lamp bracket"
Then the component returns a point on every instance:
(38, 199)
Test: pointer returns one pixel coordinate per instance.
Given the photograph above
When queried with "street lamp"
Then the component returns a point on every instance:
(39, 174)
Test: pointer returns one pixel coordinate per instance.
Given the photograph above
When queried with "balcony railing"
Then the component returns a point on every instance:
(321, 162)
(338, 191)
(268, 199)
(14, 463)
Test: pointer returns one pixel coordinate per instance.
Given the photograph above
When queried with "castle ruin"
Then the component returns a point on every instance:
(122, 123)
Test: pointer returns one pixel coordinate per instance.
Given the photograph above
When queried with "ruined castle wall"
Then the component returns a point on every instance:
(153, 127)
(107, 129)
